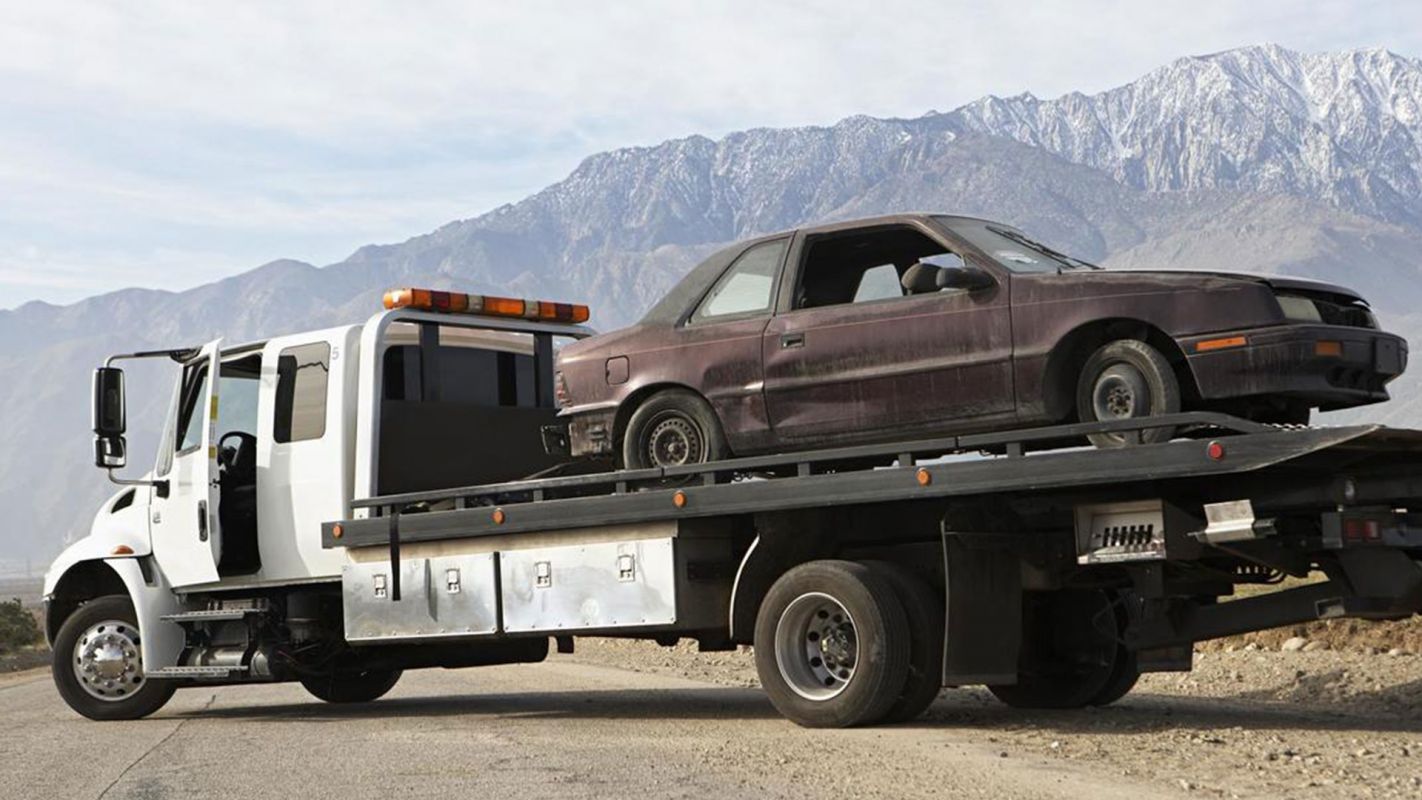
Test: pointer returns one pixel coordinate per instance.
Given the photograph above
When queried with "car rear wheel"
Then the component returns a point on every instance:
(1127, 379)
(673, 428)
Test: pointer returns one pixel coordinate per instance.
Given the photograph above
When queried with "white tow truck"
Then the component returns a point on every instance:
(335, 507)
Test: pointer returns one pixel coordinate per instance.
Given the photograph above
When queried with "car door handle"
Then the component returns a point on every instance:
(790, 340)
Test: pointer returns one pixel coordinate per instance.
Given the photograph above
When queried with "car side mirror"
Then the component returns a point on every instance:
(110, 419)
(970, 279)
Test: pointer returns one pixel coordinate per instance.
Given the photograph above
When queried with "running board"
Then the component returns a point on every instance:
(211, 615)
(195, 672)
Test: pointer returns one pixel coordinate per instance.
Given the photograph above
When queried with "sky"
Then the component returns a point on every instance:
(167, 144)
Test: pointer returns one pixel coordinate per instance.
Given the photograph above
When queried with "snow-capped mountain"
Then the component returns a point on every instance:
(1259, 158)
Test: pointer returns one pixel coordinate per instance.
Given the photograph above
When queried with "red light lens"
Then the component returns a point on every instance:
(1215, 451)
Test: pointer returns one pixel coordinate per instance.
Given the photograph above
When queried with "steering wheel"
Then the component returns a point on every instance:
(240, 457)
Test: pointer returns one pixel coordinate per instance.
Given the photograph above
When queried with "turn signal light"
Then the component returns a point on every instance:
(1220, 344)
(485, 305)
(121, 550)
(1328, 348)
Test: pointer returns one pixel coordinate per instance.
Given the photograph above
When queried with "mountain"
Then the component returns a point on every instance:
(1259, 158)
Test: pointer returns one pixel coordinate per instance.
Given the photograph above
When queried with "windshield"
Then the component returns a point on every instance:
(1010, 247)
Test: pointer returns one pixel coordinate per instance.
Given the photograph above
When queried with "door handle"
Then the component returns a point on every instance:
(789, 340)
(202, 520)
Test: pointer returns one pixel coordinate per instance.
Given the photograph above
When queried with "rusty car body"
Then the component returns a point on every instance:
(917, 324)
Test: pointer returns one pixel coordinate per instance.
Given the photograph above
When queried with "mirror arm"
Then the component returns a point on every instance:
(160, 485)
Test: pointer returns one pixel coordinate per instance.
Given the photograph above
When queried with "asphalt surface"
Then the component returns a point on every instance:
(552, 730)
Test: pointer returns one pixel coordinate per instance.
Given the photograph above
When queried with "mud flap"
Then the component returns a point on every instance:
(983, 638)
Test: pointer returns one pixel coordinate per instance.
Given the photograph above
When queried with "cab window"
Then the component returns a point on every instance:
(747, 285)
(303, 374)
(190, 412)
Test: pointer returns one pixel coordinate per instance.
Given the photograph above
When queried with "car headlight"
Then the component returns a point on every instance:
(1299, 309)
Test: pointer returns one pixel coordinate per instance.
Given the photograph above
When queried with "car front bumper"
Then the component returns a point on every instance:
(1327, 366)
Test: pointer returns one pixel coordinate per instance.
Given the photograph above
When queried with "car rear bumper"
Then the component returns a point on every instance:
(1327, 366)
(589, 432)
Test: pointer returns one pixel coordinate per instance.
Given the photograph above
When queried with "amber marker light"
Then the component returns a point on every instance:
(924, 477)
(1328, 348)
(1220, 344)
(679, 499)
(121, 550)
(499, 516)
(337, 531)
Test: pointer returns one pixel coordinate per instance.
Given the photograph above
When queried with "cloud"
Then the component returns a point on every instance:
(257, 130)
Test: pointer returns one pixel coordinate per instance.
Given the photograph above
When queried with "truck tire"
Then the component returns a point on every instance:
(832, 645)
(98, 663)
(924, 610)
(1126, 671)
(353, 687)
(673, 428)
(1070, 653)
(1127, 379)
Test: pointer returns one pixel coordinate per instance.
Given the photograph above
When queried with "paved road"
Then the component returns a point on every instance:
(551, 730)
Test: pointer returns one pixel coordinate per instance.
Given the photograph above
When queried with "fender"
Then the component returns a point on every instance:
(143, 582)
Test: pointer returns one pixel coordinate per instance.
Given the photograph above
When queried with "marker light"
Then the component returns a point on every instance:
(1327, 348)
(485, 305)
(1216, 451)
(1219, 344)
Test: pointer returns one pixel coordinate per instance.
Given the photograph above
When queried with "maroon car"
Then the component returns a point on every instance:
(924, 324)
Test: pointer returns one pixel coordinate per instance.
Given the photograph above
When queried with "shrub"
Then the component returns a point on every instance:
(17, 626)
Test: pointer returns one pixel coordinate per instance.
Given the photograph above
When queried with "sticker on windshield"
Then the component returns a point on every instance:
(1015, 256)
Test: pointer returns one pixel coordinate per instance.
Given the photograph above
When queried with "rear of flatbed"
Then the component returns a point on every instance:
(1053, 573)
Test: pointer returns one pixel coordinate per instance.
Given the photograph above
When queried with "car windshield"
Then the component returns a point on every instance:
(1010, 247)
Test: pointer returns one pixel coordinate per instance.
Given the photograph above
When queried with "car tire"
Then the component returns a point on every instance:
(353, 687)
(832, 645)
(924, 610)
(1127, 379)
(673, 428)
(98, 663)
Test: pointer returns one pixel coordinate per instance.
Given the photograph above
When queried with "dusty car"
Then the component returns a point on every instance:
(927, 324)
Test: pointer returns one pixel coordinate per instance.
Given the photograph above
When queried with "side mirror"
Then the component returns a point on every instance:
(971, 279)
(110, 419)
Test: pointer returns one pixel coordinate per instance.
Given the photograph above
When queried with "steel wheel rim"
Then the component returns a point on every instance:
(1120, 392)
(673, 441)
(816, 646)
(108, 660)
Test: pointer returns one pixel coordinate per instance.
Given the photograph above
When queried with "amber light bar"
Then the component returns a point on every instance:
(485, 305)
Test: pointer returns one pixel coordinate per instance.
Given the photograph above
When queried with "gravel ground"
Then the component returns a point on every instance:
(1246, 723)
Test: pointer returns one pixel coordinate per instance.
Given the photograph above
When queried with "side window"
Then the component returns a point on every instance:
(861, 266)
(303, 373)
(879, 283)
(747, 285)
(191, 412)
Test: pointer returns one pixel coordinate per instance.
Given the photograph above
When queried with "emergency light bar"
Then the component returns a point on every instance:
(484, 305)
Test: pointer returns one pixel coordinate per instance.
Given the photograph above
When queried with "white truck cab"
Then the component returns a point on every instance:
(264, 442)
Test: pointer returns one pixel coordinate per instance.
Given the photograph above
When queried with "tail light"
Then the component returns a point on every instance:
(560, 391)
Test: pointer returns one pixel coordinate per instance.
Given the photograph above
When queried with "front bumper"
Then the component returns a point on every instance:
(1299, 362)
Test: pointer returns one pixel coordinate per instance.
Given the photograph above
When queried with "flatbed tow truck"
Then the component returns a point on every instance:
(358, 509)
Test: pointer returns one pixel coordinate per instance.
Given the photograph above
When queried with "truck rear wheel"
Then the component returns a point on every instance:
(98, 663)
(353, 687)
(924, 610)
(1070, 653)
(832, 645)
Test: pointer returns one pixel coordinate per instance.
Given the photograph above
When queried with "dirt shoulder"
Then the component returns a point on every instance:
(1247, 723)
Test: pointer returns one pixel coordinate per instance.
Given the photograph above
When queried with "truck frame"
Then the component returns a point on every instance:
(866, 578)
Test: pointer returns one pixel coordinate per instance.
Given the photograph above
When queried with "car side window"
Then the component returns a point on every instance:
(879, 283)
(746, 287)
(865, 266)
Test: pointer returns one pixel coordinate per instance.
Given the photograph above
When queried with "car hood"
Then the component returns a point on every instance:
(1283, 282)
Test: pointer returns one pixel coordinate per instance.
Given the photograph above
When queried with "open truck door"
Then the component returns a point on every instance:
(187, 539)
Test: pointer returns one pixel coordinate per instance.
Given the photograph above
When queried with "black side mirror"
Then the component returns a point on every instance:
(971, 279)
(110, 419)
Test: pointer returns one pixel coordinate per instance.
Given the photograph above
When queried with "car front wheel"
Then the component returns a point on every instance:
(1127, 379)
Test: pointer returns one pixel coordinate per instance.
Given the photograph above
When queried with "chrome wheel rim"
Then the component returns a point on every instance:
(1121, 392)
(108, 661)
(816, 646)
(674, 441)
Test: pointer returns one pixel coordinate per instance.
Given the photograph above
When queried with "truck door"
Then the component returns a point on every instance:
(186, 538)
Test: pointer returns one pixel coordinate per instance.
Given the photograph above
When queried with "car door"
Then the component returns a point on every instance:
(866, 366)
(187, 540)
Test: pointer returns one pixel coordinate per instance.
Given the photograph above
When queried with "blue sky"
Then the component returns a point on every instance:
(167, 144)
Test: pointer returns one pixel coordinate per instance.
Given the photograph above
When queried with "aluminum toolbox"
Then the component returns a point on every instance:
(443, 596)
(582, 586)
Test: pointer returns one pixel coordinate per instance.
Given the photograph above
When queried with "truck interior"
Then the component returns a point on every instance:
(452, 396)
(238, 387)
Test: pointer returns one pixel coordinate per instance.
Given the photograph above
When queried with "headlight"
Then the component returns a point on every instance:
(1298, 309)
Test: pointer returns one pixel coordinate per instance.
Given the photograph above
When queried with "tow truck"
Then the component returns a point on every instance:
(338, 506)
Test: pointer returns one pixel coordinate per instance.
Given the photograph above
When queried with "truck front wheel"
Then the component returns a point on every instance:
(352, 687)
(98, 663)
(832, 645)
